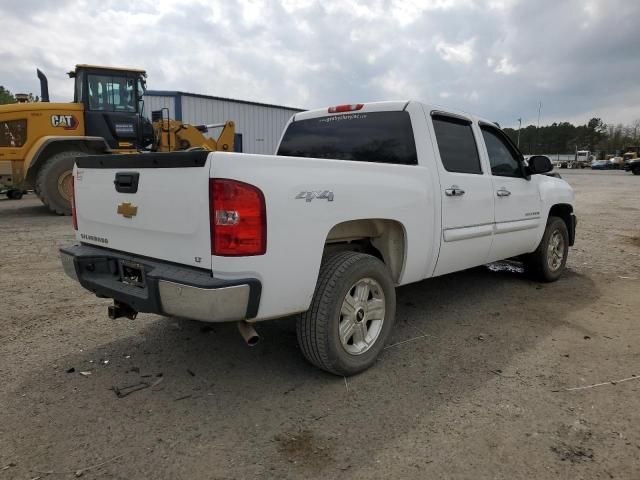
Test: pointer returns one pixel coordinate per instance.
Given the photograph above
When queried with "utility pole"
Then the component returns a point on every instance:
(538, 127)
(519, 127)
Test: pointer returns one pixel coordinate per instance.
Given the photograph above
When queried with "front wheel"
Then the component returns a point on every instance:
(351, 314)
(547, 263)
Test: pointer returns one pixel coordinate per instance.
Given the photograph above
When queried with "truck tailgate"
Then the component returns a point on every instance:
(165, 216)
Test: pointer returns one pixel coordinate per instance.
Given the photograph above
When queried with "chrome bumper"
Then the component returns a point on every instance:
(224, 304)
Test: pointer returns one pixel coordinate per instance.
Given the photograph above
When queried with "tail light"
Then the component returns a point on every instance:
(346, 108)
(74, 218)
(238, 218)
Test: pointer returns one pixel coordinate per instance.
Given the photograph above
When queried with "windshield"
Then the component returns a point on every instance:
(111, 93)
(385, 137)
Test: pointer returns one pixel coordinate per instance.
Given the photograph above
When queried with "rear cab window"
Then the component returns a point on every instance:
(380, 137)
(456, 144)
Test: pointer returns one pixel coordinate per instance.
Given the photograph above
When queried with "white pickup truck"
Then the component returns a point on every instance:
(359, 199)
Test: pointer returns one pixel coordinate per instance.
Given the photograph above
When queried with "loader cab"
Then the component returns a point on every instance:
(113, 104)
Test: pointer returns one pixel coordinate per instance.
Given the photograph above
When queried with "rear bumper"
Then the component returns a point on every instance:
(168, 289)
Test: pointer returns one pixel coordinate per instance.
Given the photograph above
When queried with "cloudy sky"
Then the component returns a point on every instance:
(497, 58)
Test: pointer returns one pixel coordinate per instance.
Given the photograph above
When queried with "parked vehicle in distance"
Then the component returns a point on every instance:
(601, 165)
(633, 166)
(616, 162)
(583, 159)
(359, 199)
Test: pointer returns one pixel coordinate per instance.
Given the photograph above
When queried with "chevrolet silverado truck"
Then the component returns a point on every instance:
(359, 199)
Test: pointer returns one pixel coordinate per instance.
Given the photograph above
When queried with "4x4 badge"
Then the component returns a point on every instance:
(127, 210)
(320, 195)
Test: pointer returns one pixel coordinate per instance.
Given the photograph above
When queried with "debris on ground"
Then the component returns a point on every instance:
(85, 373)
(122, 392)
(71, 370)
(611, 382)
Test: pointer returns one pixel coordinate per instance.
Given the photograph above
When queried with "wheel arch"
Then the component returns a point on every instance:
(382, 238)
(48, 146)
(565, 212)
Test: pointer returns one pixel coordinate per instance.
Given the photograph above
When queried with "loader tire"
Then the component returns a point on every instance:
(53, 182)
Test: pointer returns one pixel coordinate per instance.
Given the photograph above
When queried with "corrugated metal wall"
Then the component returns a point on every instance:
(260, 125)
(158, 102)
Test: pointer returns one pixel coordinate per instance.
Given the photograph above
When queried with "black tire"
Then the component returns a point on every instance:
(47, 179)
(14, 194)
(318, 329)
(636, 171)
(537, 264)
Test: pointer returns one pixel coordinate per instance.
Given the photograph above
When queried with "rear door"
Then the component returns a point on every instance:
(155, 205)
(517, 198)
(467, 195)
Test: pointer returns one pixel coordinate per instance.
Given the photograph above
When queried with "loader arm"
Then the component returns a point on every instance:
(174, 135)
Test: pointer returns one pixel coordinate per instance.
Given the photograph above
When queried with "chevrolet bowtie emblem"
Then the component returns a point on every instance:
(127, 210)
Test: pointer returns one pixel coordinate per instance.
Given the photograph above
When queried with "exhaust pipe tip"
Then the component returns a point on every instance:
(248, 333)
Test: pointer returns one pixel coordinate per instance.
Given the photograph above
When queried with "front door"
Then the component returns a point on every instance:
(517, 198)
(467, 196)
(111, 109)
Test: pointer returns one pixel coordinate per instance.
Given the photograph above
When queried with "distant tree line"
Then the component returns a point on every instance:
(565, 137)
(6, 96)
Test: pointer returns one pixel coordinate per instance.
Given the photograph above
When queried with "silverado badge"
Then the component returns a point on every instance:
(127, 210)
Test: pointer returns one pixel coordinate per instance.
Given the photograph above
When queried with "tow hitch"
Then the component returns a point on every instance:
(118, 310)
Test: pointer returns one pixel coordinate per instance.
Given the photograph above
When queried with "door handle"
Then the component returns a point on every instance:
(503, 192)
(454, 191)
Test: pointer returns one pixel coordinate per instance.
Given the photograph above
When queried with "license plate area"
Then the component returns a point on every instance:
(132, 273)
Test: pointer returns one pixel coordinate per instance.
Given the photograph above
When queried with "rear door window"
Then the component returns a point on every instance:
(457, 145)
(382, 137)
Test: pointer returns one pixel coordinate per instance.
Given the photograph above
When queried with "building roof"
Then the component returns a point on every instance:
(175, 93)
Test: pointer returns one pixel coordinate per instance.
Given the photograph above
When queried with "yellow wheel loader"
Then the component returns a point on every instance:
(39, 141)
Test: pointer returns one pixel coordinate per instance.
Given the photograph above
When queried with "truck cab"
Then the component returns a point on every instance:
(113, 105)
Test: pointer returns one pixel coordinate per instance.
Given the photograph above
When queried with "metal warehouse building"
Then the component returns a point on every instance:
(258, 125)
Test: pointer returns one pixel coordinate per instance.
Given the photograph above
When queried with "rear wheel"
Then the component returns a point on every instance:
(636, 170)
(547, 263)
(54, 182)
(351, 314)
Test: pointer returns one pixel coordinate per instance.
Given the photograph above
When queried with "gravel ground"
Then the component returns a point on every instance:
(478, 389)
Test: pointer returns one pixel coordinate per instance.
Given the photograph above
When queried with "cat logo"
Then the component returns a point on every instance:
(68, 122)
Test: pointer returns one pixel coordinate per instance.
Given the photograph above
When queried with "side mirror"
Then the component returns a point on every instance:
(539, 164)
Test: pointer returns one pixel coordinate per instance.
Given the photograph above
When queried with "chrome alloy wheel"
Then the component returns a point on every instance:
(361, 316)
(555, 251)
